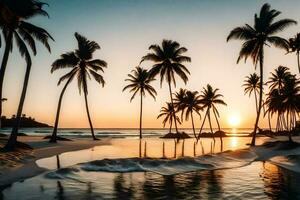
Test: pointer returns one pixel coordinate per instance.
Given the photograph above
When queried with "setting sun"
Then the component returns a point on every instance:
(234, 120)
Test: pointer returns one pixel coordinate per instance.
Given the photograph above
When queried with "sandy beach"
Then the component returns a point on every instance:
(20, 164)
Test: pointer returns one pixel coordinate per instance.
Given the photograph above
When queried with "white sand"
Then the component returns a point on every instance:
(19, 165)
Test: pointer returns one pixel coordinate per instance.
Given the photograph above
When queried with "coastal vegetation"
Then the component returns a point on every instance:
(168, 59)
(255, 38)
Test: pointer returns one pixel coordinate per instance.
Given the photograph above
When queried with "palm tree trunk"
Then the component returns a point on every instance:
(54, 134)
(88, 115)
(261, 62)
(11, 143)
(141, 114)
(170, 129)
(298, 61)
(269, 120)
(175, 121)
(215, 114)
(202, 125)
(3, 68)
(193, 124)
(209, 121)
(256, 106)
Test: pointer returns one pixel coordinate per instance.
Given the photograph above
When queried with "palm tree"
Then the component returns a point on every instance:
(291, 96)
(168, 61)
(254, 40)
(278, 78)
(251, 84)
(273, 104)
(24, 33)
(140, 81)
(14, 16)
(83, 66)
(188, 102)
(209, 99)
(168, 113)
(294, 46)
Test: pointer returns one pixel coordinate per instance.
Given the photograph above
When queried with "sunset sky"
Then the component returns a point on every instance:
(125, 29)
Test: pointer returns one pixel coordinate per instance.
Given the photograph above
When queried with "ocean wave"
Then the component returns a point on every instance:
(61, 173)
(223, 160)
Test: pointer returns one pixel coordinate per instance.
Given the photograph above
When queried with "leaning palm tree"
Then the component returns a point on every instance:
(256, 38)
(168, 61)
(251, 84)
(168, 113)
(139, 82)
(25, 34)
(294, 46)
(83, 66)
(14, 16)
(188, 105)
(209, 99)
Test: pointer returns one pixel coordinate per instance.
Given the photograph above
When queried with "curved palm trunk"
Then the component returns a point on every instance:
(174, 115)
(141, 114)
(88, 115)
(210, 126)
(261, 62)
(193, 124)
(202, 125)
(11, 143)
(3, 68)
(54, 134)
(218, 126)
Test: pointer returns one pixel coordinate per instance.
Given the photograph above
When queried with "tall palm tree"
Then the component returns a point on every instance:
(251, 84)
(168, 113)
(209, 99)
(256, 38)
(14, 16)
(168, 61)
(25, 34)
(139, 82)
(83, 67)
(294, 46)
(188, 102)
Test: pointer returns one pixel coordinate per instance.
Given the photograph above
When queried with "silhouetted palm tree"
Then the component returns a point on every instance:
(251, 84)
(139, 82)
(188, 102)
(169, 61)
(278, 78)
(14, 15)
(294, 44)
(14, 26)
(168, 113)
(83, 67)
(255, 38)
(291, 105)
(273, 104)
(210, 98)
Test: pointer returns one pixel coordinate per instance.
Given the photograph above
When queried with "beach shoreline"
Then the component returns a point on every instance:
(23, 165)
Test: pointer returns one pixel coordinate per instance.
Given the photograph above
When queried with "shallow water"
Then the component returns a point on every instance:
(66, 179)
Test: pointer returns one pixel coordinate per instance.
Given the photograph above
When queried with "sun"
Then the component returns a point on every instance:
(234, 120)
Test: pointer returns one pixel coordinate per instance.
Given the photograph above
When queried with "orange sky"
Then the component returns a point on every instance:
(124, 31)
